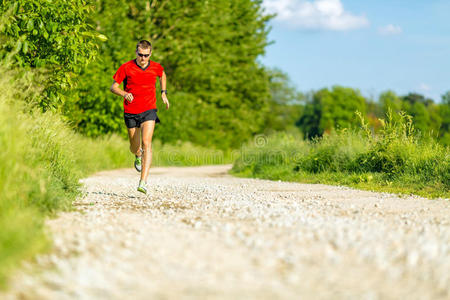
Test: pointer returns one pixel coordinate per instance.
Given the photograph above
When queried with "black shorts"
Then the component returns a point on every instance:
(135, 120)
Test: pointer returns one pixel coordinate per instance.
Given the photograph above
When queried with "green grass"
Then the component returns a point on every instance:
(395, 160)
(41, 163)
(187, 154)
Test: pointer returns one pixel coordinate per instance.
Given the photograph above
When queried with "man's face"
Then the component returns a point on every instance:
(143, 55)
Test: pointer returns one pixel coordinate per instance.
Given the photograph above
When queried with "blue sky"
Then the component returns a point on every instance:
(369, 45)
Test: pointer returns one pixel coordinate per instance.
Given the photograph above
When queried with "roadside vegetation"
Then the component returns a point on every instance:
(41, 161)
(395, 159)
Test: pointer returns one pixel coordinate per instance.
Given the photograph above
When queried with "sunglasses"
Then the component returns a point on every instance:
(143, 55)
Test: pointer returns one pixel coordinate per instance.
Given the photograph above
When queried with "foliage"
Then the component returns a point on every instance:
(214, 80)
(53, 36)
(396, 159)
(285, 103)
(390, 101)
(327, 110)
(386, 154)
(428, 117)
(187, 154)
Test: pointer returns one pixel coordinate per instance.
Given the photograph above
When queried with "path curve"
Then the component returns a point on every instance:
(203, 234)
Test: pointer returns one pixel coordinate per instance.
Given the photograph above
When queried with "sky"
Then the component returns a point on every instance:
(371, 45)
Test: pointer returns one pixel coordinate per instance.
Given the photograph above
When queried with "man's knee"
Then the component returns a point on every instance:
(147, 145)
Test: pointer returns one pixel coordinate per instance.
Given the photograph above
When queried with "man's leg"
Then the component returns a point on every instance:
(134, 135)
(147, 129)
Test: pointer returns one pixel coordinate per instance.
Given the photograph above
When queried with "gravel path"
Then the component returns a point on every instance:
(202, 234)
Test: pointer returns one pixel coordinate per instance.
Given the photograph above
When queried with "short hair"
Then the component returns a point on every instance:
(144, 44)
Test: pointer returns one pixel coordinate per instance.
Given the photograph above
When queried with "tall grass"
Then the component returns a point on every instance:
(393, 160)
(41, 163)
(21, 222)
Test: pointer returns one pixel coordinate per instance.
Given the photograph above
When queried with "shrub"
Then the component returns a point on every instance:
(395, 157)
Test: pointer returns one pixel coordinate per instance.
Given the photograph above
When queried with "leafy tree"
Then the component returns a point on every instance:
(426, 114)
(390, 100)
(309, 122)
(209, 48)
(286, 103)
(424, 111)
(421, 117)
(413, 98)
(328, 110)
(53, 36)
(434, 111)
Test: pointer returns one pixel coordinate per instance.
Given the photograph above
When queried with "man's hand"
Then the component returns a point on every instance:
(129, 97)
(165, 100)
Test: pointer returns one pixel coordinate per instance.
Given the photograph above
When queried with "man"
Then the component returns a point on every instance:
(139, 81)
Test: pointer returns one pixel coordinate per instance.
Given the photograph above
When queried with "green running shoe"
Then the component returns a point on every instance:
(142, 187)
(138, 163)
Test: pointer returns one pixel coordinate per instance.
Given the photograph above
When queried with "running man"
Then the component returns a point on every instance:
(139, 83)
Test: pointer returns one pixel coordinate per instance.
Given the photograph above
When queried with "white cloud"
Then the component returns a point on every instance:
(390, 30)
(424, 87)
(314, 15)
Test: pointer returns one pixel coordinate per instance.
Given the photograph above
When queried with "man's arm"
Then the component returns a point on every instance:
(162, 81)
(115, 88)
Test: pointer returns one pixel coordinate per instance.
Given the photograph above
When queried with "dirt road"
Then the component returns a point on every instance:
(202, 234)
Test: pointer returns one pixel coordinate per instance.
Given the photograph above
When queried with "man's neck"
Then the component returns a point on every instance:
(142, 66)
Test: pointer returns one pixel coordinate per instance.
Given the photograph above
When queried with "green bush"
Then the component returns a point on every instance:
(335, 152)
(396, 159)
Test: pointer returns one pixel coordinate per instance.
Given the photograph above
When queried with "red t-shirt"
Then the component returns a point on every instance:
(139, 82)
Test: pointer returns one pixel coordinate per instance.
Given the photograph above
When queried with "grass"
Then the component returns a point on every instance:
(394, 160)
(188, 154)
(41, 163)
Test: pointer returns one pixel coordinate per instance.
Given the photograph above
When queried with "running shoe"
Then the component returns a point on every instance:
(142, 187)
(138, 163)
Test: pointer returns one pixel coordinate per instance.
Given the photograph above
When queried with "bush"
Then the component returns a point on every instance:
(396, 159)
(335, 152)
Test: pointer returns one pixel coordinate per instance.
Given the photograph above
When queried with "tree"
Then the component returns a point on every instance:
(390, 100)
(52, 36)
(413, 98)
(424, 111)
(209, 48)
(421, 117)
(309, 122)
(328, 110)
(286, 103)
